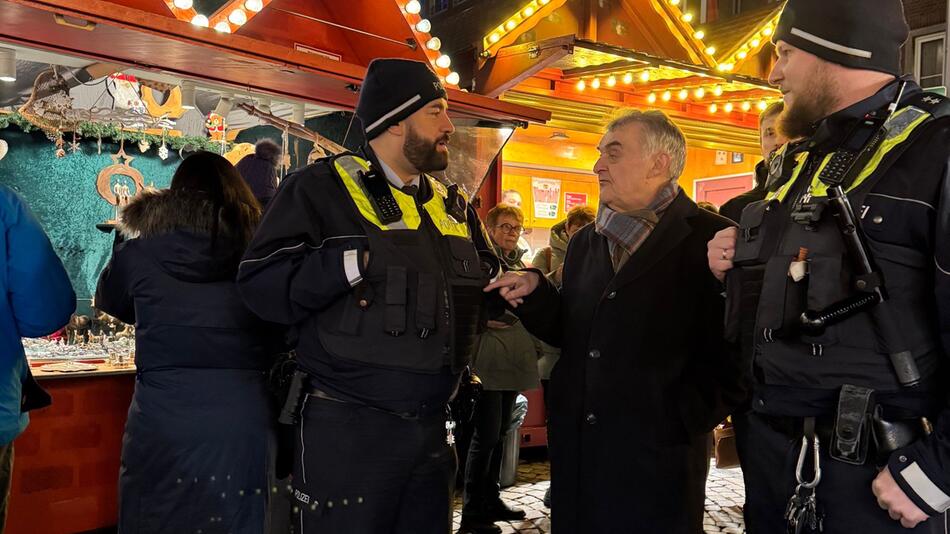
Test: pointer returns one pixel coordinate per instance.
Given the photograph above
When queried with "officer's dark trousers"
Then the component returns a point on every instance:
(362, 471)
(768, 458)
(491, 418)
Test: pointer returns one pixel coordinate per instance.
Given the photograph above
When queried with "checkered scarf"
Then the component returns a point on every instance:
(625, 232)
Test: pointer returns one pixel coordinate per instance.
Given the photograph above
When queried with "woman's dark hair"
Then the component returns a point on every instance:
(238, 212)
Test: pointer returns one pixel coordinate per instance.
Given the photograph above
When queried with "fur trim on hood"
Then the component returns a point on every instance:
(153, 213)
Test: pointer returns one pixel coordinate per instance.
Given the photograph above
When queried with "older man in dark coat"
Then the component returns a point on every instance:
(644, 374)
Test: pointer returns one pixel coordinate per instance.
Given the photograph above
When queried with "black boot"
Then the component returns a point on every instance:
(478, 525)
(499, 511)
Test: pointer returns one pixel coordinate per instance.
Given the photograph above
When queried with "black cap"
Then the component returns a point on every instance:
(860, 34)
(393, 90)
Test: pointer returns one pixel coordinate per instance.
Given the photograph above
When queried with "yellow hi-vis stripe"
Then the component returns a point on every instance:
(900, 126)
(348, 166)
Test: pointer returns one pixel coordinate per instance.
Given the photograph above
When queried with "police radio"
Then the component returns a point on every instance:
(380, 196)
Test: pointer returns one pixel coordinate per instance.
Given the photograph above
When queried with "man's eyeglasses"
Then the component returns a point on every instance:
(509, 229)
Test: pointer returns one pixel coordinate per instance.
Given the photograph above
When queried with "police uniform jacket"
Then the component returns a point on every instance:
(393, 333)
(902, 200)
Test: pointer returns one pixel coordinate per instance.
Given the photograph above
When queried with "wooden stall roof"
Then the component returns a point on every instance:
(107, 31)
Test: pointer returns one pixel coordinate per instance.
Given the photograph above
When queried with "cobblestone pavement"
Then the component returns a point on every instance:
(724, 496)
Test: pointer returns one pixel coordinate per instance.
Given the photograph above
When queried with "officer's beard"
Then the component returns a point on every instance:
(799, 119)
(423, 153)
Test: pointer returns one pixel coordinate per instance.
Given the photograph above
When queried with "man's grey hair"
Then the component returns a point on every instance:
(661, 135)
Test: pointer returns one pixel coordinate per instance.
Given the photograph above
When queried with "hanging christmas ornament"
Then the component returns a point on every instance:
(74, 146)
(144, 145)
(113, 182)
(163, 150)
(60, 151)
(99, 144)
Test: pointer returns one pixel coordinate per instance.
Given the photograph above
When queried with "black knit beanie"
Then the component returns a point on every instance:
(393, 90)
(860, 34)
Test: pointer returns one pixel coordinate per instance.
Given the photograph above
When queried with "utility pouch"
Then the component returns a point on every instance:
(396, 295)
(427, 303)
(849, 444)
(754, 233)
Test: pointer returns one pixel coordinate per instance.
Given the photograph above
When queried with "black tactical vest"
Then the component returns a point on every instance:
(420, 304)
(769, 241)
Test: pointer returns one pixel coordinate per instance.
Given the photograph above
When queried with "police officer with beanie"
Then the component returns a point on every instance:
(380, 269)
(847, 265)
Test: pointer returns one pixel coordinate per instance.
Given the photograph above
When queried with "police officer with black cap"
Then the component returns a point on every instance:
(380, 269)
(840, 283)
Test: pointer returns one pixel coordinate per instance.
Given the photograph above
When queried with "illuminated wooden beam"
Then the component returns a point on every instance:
(513, 64)
(516, 24)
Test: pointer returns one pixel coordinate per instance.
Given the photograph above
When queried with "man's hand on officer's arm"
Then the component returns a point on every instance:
(721, 250)
(513, 286)
(892, 498)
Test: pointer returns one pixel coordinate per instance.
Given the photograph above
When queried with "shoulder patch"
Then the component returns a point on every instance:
(936, 105)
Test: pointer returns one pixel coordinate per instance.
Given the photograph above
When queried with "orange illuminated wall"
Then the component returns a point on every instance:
(543, 152)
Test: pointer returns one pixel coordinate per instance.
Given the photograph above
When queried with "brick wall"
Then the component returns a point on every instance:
(923, 13)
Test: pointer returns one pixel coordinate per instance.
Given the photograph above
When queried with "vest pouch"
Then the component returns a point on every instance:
(465, 260)
(828, 283)
(356, 304)
(396, 296)
(782, 301)
(758, 226)
(427, 304)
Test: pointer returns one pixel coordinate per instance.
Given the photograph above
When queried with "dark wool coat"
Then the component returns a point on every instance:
(198, 440)
(644, 375)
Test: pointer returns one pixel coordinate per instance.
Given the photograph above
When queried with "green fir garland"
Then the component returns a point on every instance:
(110, 131)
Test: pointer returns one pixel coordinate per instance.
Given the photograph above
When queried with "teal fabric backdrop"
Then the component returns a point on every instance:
(62, 191)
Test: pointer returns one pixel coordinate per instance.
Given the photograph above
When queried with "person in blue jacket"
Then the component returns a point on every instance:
(199, 437)
(38, 301)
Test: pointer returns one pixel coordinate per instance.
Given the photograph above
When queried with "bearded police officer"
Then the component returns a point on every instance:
(380, 267)
(850, 258)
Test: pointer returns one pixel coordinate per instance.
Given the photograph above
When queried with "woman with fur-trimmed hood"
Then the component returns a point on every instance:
(198, 441)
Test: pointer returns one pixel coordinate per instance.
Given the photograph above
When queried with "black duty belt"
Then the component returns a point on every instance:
(437, 410)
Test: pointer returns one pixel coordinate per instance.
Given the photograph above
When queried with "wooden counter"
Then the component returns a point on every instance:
(66, 464)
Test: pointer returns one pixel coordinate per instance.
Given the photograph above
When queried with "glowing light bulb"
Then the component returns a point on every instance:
(222, 27)
(581, 85)
(651, 98)
(628, 78)
(183, 4)
(767, 31)
(452, 78)
(674, 2)
(699, 92)
(717, 90)
(413, 7)
(238, 17)
(254, 6)
(493, 38)
(687, 17)
(544, 2)
(746, 106)
(742, 54)
(510, 25)
(645, 76)
(596, 83)
(443, 61)
(683, 94)
(611, 81)
(434, 44)
(713, 108)
(200, 21)
(710, 50)
(761, 105)
(528, 11)
(666, 96)
(754, 43)
(699, 34)
(424, 26)
(728, 107)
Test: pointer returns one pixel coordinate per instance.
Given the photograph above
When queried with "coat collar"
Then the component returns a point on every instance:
(669, 232)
